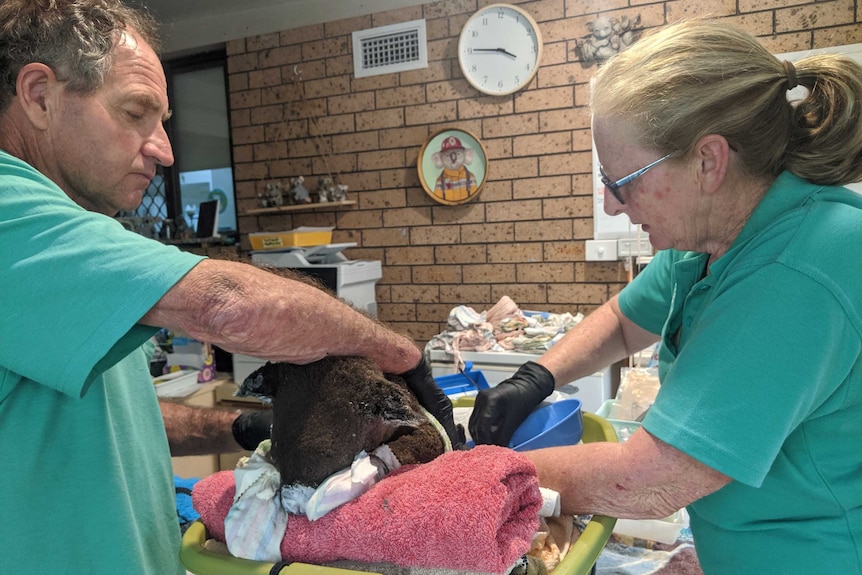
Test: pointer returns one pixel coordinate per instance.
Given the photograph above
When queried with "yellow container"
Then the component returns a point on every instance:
(300, 237)
(579, 560)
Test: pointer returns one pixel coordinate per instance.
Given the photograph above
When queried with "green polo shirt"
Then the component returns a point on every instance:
(761, 379)
(87, 484)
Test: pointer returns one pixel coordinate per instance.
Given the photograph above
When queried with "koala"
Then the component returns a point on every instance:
(326, 412)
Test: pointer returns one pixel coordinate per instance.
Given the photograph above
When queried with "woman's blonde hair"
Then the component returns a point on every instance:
(707, 77)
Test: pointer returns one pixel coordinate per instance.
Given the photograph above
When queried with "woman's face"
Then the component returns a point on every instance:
(659, 199)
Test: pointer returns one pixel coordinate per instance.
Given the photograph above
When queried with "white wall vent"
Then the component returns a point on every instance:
(393, 48)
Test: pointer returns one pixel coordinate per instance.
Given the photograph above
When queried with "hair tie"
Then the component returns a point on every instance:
(790, 70)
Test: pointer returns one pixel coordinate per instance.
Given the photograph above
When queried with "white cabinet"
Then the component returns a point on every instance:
(496, 366)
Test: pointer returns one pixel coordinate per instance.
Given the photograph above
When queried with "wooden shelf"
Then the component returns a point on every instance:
(297, 208)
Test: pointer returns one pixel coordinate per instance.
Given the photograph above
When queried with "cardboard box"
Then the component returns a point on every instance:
(299, 237)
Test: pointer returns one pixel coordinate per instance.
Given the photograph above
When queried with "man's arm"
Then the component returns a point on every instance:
(198, 431)
(244, 309)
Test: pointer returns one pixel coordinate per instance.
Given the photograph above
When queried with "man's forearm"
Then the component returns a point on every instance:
(247, 310)
(198, 431)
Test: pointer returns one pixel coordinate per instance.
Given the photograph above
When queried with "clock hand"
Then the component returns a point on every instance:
(500, 50)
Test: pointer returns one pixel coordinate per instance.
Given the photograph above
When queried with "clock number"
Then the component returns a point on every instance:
(500, 84)
(484, 21)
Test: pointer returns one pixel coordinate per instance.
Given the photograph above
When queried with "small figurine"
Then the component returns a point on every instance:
(340, 193)
(325, 189)
(272, 196)
(607, 37)
(299, 194)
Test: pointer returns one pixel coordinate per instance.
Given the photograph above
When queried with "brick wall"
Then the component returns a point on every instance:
(296, 109)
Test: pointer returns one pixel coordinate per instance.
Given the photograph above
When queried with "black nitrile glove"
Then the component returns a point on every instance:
(499, 411)
(431, 397)
(252, 427)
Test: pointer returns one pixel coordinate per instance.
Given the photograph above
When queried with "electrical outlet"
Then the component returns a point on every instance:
(627, 247)
(601, 250)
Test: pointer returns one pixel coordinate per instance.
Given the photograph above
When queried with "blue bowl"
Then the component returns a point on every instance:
(552, 425)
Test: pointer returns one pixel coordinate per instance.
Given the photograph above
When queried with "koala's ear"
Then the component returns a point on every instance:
(468, 156)
(437, 159)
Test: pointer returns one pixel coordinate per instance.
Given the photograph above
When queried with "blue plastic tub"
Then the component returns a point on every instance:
(552, 425)
(465, 383)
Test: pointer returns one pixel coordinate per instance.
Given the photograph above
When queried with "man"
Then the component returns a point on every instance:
(87, 480)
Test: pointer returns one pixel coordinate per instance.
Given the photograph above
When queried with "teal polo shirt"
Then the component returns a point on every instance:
(87, 483)
(761, 379)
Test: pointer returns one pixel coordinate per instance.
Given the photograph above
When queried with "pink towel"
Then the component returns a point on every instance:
(473, 510)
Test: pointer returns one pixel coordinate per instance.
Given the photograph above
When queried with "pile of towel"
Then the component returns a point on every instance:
(473, 510)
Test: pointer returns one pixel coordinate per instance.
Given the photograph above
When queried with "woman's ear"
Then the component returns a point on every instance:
(33, 89)
(712, 152)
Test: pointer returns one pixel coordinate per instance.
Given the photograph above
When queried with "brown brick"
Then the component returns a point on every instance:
(445, 90)
(326, 48)
(569, 207)
(267, 114)
(468, 213)
(360, 181)
(380, 160)
(603, 272)
(509, 125)
(521, 293)
(386, 237)
(513, 253)
(819, 15)
(434, 72)
(245, 99)
(395, 217)
(542, 187)
(391, 118)
(242, 63)
(575, 162)
(237, 82)
(410, 255)
(374, 199)
(280, 56)
(515, 168)
(461, 293)
(290, 168)
(578, 293)
(552, 143)
(435, 235)
(234, 47)
(249, 135)
(437, 274)
(286, 130)
(354, 142)
(566, 119)
(351, 103)
(396, 312)
(489, 273)
(487, 233)
(432, 312)
(402, 96)
(552, 272)
(460, 254)
(416, 294)
(269, 151)
(396, 275)
(360, 219)
(564, 251)
(483, 107)
(543, 231)
(431, 113)
(240, 118)
(545, 99)
(374, 83)
(514, 211)
(403, 137)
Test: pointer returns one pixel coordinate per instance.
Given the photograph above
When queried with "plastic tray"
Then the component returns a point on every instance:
(578, 561)
(467, 382)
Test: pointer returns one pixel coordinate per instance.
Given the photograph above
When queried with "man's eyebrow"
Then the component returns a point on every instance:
(147, 101)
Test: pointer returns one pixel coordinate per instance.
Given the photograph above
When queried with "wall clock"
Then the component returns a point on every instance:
(499, 49)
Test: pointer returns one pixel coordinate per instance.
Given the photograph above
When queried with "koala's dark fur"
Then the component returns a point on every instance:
(326, 412)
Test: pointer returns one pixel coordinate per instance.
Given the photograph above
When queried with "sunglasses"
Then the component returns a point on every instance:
(614, 186)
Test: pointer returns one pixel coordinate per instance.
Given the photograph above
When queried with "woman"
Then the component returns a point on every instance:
(755, 294)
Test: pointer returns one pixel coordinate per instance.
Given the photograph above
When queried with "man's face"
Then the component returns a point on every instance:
(106, 145)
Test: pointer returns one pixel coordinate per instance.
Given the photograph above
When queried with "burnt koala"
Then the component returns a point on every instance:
(326, 412)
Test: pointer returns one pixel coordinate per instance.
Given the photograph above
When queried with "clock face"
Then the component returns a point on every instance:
(499, 49)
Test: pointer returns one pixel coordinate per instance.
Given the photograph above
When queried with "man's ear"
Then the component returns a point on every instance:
(712, 151)
(34, 86)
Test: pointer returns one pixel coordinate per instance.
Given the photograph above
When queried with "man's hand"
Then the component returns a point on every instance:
(431, 397)
(252, 427)
(499, 411)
